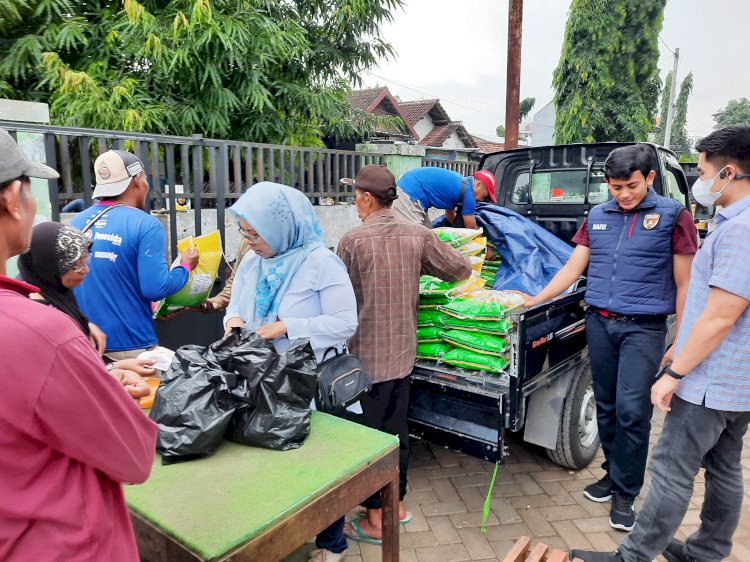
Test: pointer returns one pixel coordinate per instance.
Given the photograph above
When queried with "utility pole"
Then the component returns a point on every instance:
(672, 92)
(513, 80)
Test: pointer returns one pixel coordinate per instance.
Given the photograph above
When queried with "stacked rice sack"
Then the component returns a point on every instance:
(490, 266)
(460, 323)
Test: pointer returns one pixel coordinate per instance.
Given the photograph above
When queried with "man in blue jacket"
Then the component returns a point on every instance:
(638, 248)
(128, 269)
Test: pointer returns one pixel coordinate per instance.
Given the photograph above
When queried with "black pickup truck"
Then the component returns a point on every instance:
(546, 391)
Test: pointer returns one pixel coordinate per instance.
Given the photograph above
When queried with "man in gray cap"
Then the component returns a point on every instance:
(128, 270)
(71, 435)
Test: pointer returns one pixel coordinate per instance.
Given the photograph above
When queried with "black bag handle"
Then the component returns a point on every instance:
(332, 348)
(99, 215)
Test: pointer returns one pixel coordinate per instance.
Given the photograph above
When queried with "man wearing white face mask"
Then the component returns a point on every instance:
(706, 389)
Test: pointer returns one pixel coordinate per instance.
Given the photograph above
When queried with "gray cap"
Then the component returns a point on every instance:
(114, 171)
(14, 163)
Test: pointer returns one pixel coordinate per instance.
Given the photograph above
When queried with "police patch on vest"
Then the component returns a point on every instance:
(651, 220)
(600, 226)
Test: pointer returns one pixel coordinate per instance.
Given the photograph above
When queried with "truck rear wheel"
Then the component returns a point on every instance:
(578, 439)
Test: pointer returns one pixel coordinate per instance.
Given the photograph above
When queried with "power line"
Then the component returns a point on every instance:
(403, 85)
(442, 94)
(667, 46)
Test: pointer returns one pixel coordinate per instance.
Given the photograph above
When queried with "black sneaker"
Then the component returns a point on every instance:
(599, 491)
(675, 552)
(592, 556)
(622, 514)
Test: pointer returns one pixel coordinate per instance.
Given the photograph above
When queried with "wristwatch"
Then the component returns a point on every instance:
(667, 370)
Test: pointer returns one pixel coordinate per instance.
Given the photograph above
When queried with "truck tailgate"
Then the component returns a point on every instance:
(459, 408)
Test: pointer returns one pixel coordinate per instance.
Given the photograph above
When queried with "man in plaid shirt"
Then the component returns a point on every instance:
(385, 258)
(706, 390)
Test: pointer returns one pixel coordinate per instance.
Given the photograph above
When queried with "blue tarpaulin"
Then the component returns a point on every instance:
(531, 255)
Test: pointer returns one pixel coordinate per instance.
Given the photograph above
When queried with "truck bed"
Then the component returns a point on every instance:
(471, 410)
(459, 408)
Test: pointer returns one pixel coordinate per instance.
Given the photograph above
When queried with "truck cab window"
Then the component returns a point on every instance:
(566, 186)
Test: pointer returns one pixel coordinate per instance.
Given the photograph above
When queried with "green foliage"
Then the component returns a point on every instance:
(525, 107)
(737, 112)
(607, 83)
(660, 130)
(258, 70)
(500, 130)
(679, 141)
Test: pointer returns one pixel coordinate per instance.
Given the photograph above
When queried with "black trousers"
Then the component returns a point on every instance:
(625, 357)
(385, 408)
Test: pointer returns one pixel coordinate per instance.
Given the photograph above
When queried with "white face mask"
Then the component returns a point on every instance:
(702, 190)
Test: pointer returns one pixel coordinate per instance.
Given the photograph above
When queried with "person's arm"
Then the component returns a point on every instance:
(98, 338)
(470, 221)
(85, 414)
(221, 301)
(342, 251)
(338, 320)
(156, 280)
(569, 274)
(442, 261)
(684, 246)
(468, 209)
(681, 265)
(721, 313)
(232, 317)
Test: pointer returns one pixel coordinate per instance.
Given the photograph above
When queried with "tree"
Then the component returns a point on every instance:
(500, 130)
(607, 83)
(525, 107)
(679, 141)
(737, 112)
(664, 110)
(260, 70)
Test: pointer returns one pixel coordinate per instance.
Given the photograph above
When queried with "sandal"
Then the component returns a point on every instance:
(362, 511)
(360, 536)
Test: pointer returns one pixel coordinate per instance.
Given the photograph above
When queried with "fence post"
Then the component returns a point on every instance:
(400, 158)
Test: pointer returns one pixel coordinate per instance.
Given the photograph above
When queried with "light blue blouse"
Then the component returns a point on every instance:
(319, 303)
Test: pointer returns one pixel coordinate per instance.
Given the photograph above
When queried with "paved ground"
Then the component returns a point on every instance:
(532, 496)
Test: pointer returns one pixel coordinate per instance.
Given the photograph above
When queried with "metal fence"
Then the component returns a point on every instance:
(209, 173)
(463, 167)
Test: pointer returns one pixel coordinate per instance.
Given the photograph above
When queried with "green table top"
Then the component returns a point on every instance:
(215, 504)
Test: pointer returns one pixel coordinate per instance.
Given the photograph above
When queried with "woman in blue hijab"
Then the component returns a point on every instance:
(290, 285)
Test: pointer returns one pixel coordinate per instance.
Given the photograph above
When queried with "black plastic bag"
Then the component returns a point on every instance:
(191, 413)
(278, 412)
(239, 377)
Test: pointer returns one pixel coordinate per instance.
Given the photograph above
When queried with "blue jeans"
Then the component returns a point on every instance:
(332, 537)
(693, 435)
(625, 356)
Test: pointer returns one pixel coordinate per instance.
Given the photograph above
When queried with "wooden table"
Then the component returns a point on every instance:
(251, 504)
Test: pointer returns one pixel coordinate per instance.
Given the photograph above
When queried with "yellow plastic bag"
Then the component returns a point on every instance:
(202, 278)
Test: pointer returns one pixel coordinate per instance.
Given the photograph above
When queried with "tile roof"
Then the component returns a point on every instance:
(441, 133)
(488, 146)
(363, 99)
(380, 101)
(415, 110)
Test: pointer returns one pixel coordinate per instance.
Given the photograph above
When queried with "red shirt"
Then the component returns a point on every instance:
(71, 435)
(684, 235)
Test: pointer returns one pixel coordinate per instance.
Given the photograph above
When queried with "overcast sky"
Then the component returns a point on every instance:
(455, 50)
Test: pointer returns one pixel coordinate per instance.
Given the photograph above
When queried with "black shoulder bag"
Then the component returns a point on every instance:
(342, 381)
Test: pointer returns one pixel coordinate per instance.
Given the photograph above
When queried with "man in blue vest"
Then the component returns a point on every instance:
(638, 248)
